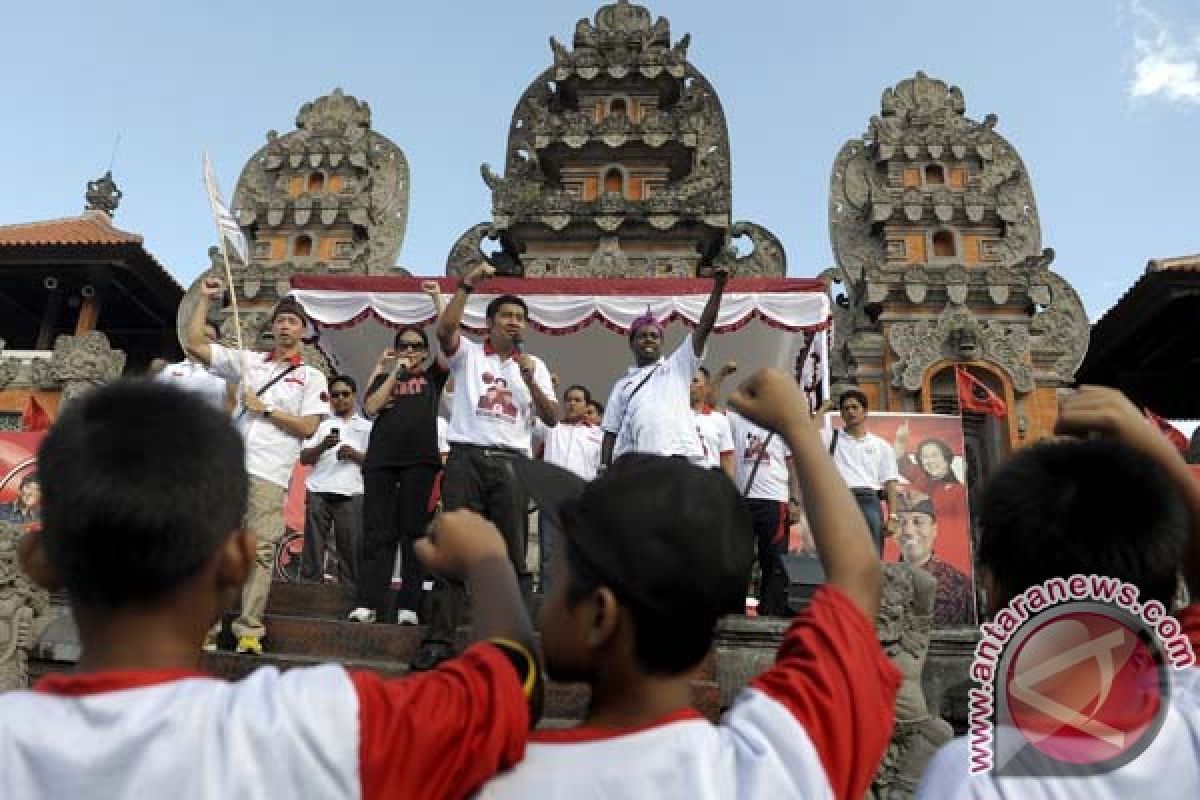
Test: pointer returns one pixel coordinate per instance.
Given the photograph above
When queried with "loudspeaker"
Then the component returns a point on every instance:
(804, 574)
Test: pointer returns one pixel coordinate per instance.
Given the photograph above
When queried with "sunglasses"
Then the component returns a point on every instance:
(341, 394)
(411, 346)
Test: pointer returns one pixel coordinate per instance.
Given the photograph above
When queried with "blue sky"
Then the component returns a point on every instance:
(1101, 97)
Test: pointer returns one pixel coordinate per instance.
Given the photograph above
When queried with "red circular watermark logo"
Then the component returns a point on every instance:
(1085, 687)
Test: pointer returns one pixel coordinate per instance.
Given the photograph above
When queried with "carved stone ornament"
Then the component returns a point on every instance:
(767, 259)
(1061, 331)
(81, 362)
(921, 115)
(103, 195)
(24, 613)
(958, 335)
(334, 134)
(904, 623)
(622, 49)
(8, 367)
(467, 252)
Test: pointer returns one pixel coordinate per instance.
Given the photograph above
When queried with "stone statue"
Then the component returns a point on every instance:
(904, 623)
(23, 613)
(103, 194)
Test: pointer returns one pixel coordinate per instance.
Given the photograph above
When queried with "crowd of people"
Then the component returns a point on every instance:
(158, 512)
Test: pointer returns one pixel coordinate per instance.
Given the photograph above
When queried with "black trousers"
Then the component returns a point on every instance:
(483, 480)
(323, 510)
(769, 518)
(396, 513)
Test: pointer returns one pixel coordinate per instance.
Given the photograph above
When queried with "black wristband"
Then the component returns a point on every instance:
(466, 287)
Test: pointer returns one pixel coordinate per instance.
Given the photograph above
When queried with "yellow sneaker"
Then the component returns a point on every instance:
(250, 644)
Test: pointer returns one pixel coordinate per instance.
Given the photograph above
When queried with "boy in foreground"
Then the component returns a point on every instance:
(655, 551)
(1119, 504)
(144, 495)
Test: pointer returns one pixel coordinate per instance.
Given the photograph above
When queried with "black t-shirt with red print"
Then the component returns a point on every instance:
(405, 432)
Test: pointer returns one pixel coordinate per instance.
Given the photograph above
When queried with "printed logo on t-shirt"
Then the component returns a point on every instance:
(753, 450)
(412, 386)
(496, 401)
(703, 444)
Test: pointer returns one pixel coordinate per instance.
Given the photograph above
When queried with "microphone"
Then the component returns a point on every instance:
(518, 343)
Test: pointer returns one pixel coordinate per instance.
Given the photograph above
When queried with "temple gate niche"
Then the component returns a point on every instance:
(939, 262)
(617, 165)
(330, 197)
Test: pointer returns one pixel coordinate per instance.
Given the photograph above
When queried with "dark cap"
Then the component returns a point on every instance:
(289, 305)
(666, 536)
(914, 502)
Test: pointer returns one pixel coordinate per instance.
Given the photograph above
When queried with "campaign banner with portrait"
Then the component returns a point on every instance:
(934, 527)
(20, 492)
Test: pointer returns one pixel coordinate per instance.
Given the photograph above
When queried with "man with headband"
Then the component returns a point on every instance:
(282, 402)
(649, 410)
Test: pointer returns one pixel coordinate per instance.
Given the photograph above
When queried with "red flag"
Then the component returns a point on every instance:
(34, 418)
(1173, 434)
(974, 395)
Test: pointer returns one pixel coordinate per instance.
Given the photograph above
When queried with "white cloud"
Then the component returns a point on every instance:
(1166, 60)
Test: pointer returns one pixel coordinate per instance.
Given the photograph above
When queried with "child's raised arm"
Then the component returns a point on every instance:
(772, 399)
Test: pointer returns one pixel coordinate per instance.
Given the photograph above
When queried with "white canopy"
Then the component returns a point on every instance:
(762, 321)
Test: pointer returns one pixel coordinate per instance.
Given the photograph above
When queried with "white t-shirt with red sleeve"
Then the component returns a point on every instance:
(712, 428)
(771, 479)
(271, 452)
(318, 732)
(814, 725)
(492, 406)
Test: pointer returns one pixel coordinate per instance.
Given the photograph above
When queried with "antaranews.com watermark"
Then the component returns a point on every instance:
(1072, 678)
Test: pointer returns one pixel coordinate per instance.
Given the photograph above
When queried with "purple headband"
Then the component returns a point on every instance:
(645, 320)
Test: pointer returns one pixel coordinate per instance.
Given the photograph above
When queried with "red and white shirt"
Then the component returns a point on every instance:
(815, 725)
(771, 479)
(1169, 767)
(192, 376)
(712, 428)
(492, 406)
(271, 452)
(574, 446)
(657, 418)
(318, 732)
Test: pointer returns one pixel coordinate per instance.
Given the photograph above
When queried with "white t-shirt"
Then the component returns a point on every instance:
(192, 376)
(866, 463)
(658, 418)
(271, 452)
(712, 427)
(1168, 768)
(814, 725)
(574, 446)
(443, 444)
(492, 406)
(331, 475)
(771, 480)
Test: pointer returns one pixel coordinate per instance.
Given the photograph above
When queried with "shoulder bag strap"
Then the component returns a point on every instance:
(762, 454)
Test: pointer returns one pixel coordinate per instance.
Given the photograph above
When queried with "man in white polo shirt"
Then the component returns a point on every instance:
(194, 376)
(867, 463)
(499, 391)
(766, 479)
(282, 401)
(334, 497)
(649, 409)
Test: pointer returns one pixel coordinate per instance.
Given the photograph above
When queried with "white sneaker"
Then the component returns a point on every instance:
(405, 617)
(362, 615)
